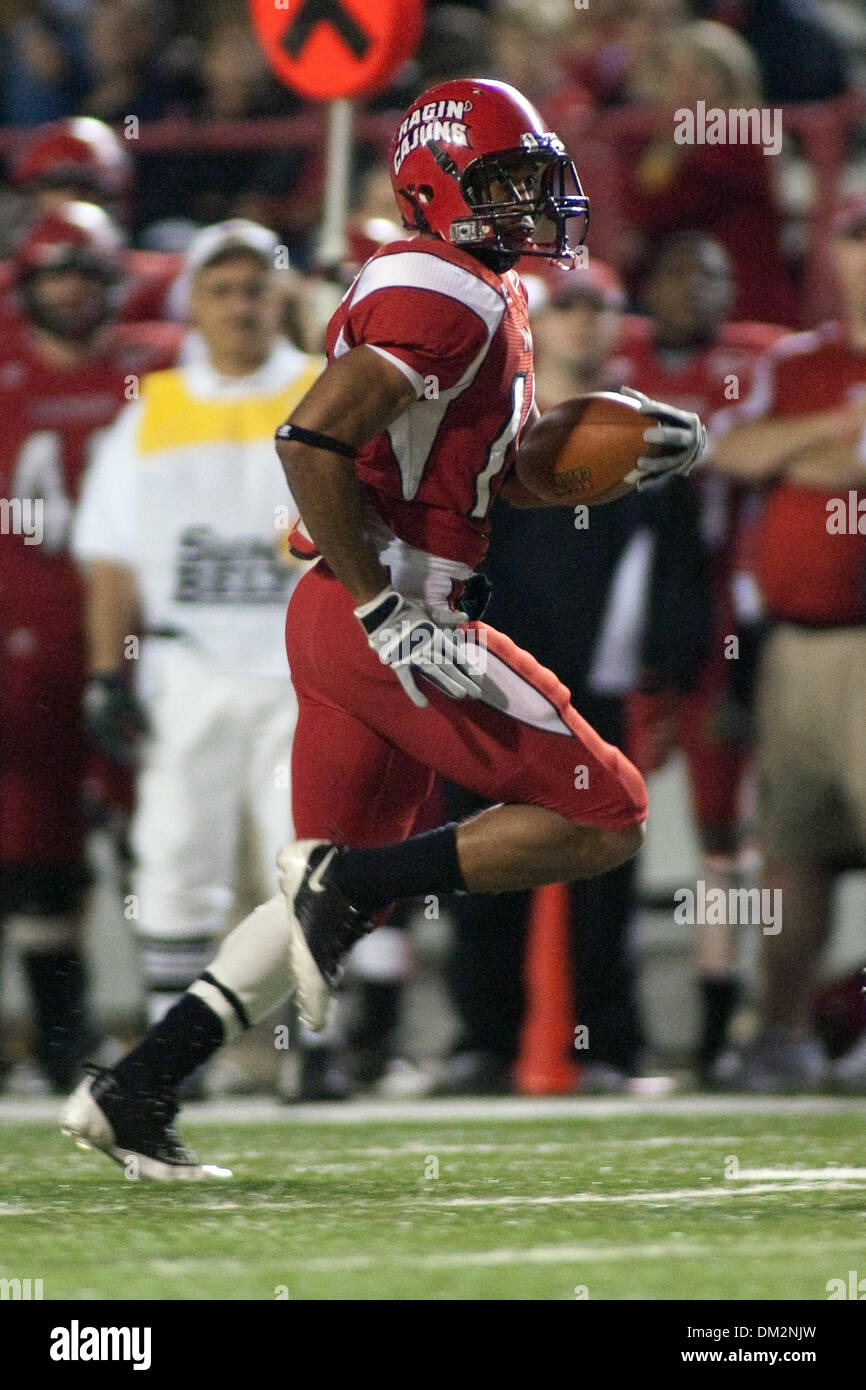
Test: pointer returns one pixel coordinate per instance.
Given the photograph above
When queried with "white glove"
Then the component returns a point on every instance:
(679, 432)
(407, 638)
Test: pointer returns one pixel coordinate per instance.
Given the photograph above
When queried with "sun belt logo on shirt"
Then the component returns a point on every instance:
(229, 569)
(442, 121)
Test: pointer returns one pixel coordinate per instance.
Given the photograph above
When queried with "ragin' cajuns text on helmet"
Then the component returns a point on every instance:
(473, 163)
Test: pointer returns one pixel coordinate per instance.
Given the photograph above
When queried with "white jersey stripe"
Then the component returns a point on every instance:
(760, 400)
(418, 270)
(507, 690)
(413, 433)
(499, 448)
(416, 378)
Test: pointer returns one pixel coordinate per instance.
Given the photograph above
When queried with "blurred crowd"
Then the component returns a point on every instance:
(704, 286)
(162, 58)
(159, 61)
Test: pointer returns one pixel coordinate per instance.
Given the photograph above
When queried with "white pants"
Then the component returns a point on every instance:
(214, 807)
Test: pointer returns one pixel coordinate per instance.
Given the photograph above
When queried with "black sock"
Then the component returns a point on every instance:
(58, 985)
(372, 878)
(185, 1038)
(377, 1017)
(719, 998)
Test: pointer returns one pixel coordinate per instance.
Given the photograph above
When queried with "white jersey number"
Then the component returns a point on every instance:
(499, 447)
(39, 478)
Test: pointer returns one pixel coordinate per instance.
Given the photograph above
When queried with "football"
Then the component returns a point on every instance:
(583, 449)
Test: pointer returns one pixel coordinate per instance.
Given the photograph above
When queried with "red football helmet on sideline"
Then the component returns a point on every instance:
(80, 152)
(472, 162)
(364, 240)
(81, 237)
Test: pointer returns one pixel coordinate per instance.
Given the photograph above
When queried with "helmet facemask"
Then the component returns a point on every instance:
(521, 200)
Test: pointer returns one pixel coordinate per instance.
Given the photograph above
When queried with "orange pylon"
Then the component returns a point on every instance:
(544, 1066)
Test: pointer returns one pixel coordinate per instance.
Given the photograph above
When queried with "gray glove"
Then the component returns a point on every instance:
(679, 432)
(407, 638)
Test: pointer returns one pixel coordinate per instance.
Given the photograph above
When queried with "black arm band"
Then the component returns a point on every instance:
(316, 441)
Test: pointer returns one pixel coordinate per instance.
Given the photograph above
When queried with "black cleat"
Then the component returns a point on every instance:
(137, 1130)
(324, 926)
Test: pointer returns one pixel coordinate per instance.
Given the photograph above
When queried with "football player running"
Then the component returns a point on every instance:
(394, 457)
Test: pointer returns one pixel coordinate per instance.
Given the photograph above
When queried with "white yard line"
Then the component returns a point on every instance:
(546, 1147)
(819, 1175)
(537, 1255)
(533, 1255)
(674, 1194)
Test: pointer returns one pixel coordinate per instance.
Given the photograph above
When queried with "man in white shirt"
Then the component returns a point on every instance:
(183, 529)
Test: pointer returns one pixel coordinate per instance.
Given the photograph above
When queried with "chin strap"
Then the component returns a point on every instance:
(497, 261)
(420, 223)
(446, 163)
(444, 160)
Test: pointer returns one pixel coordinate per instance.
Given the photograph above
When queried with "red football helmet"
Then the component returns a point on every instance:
(364, 240)
(472, 162)
(80, 152)
(81, 237)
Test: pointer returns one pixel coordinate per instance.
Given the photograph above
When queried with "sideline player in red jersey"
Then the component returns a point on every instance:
(81, 159)
(686, 353)
(394, 457)
(802, 435)
(71, 370)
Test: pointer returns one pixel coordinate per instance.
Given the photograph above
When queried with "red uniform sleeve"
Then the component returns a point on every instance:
(426, 333)
(757, 405)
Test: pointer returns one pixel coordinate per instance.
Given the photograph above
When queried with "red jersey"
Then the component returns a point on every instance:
(460, 334)
(706, 380)
(807, 572)
(51, 418)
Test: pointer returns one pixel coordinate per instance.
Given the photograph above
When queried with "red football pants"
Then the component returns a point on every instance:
(364, 757)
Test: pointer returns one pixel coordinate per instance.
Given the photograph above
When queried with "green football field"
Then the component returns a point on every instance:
(709, 1199)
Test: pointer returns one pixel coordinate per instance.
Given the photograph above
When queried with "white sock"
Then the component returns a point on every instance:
(252, 965)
